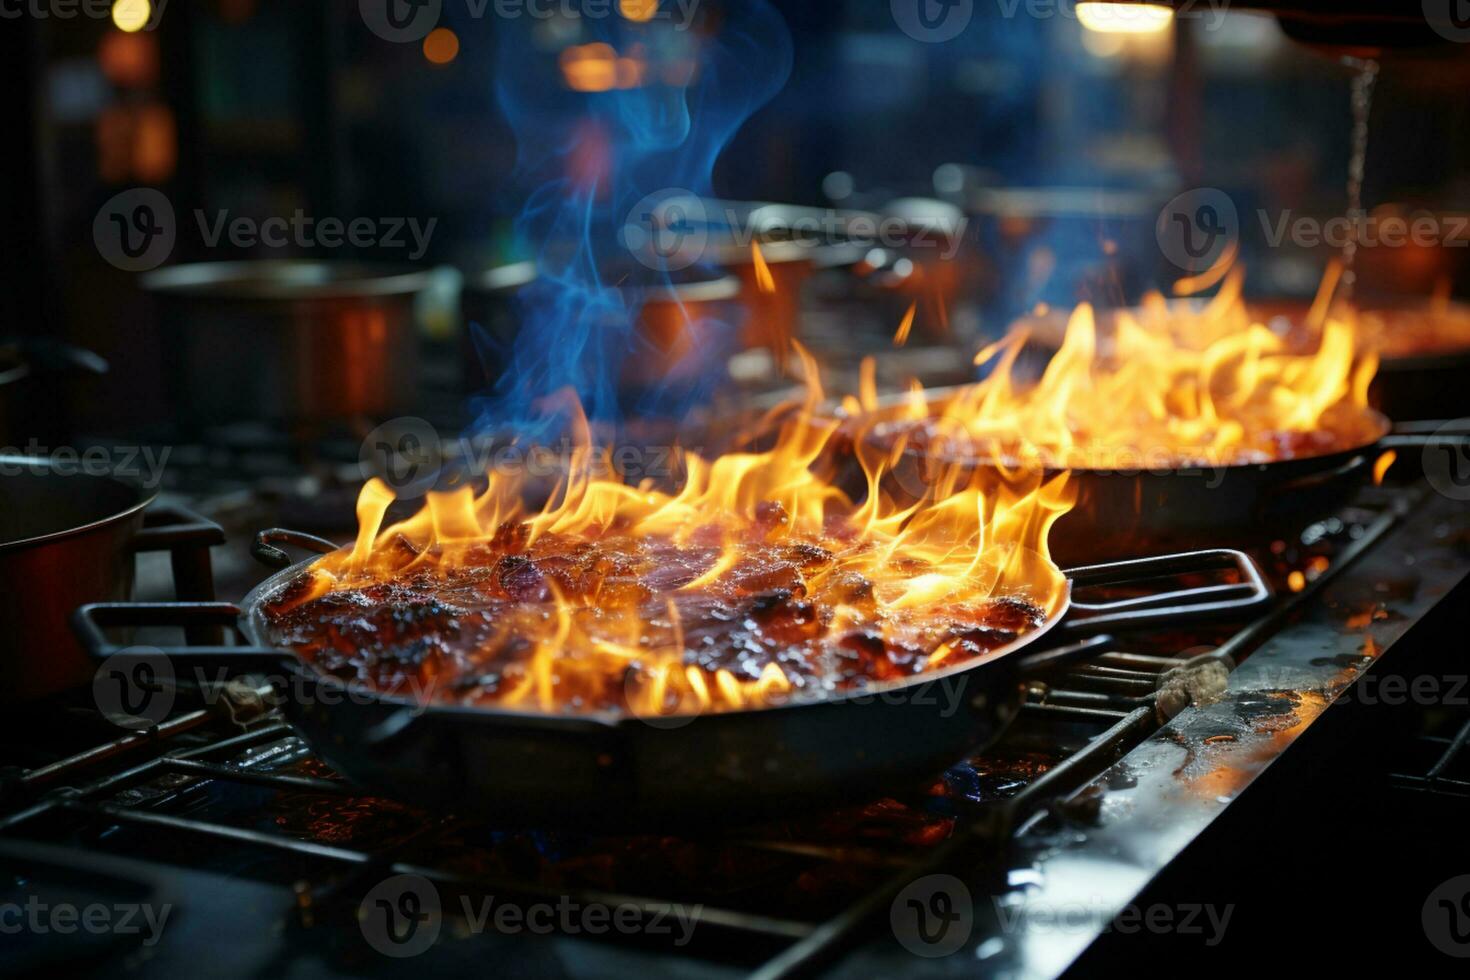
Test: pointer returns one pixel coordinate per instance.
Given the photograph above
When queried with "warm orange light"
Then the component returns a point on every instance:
(763, 278)
(590, 67)
(129, 60)
(441, 46)
(1124, 18)
(1383, 465)
(640, 11)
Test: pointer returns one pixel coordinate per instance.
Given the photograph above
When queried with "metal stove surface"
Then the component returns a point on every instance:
(272, 865)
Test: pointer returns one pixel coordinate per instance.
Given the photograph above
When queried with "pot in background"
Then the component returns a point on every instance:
(68, 538)
(491, 319)
(33, 390)
(662, 336)
(1423, 372)
(295, 342)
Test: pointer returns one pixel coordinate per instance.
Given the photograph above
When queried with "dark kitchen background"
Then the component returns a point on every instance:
(1060, 142)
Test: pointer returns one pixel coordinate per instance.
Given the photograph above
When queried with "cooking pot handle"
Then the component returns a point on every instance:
(264, 548)
(1171, 604)
(91, 622)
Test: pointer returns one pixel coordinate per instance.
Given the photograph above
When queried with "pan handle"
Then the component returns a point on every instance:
(1326, 478)
(1045, 661)
(1422, 435)
(91, 622)
(264, 548)
(1179, 603)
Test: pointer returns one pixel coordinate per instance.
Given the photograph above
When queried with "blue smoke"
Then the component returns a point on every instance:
(588, 159)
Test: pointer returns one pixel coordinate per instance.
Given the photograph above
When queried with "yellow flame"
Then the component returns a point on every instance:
(906, 571)
(1168, 384)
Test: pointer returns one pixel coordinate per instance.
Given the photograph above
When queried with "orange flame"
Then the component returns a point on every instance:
(620, 575)
(763, 277)
(906, 327)
(1166, 385)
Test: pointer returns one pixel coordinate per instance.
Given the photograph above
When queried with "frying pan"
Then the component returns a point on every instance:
(1122, 514)
(610, 771)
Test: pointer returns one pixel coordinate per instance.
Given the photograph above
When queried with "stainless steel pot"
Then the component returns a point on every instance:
(662, 338)
(287, 341)
(69, 537)
(33, 386)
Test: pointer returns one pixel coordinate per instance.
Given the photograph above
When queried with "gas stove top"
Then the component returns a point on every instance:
(218, 834)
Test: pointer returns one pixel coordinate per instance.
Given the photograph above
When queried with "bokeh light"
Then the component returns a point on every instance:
(132, 15)
(638, 10)
(441, 46)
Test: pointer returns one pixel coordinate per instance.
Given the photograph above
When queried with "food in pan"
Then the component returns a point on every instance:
(751, 583)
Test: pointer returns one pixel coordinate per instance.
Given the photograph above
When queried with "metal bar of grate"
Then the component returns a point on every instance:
(711, 915)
